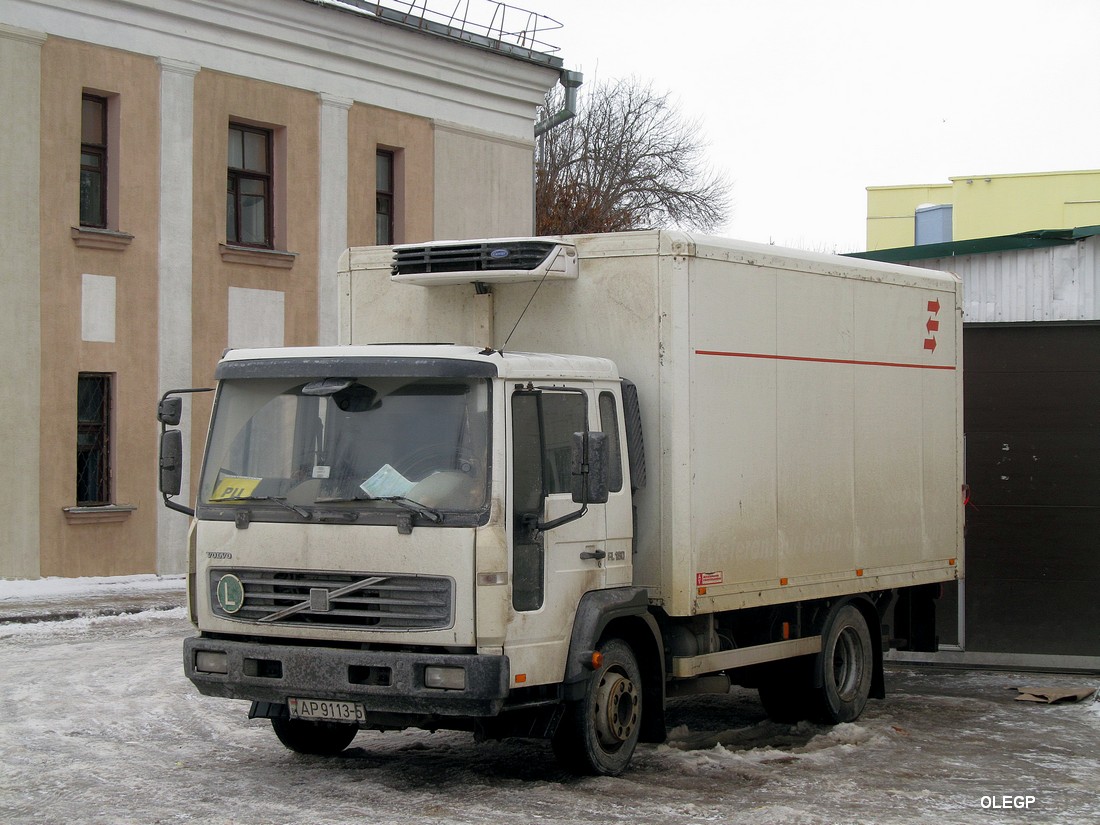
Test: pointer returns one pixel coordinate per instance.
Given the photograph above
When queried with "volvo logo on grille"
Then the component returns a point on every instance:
(318, 600)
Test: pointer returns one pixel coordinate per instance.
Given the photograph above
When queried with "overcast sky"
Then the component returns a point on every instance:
(805, 103)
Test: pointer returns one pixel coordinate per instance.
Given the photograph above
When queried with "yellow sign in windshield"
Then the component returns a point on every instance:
(232, 487)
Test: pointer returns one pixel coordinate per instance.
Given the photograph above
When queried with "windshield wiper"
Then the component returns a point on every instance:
(430, 513)
(282, 502)
(406, 503)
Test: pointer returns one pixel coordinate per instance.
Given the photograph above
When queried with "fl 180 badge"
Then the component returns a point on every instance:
(230, 593)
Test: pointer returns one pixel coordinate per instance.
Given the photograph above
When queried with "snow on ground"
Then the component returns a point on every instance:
(58, 588)
(100, 726)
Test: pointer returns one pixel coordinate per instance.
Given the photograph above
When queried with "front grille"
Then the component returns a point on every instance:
(472, 257)
(374, 601)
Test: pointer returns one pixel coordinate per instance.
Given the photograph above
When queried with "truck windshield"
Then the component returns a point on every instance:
(386, 445)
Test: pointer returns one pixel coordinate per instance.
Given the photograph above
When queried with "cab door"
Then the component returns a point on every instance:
(551, 569)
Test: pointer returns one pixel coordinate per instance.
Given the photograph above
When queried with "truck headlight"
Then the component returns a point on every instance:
(445, 678)
(211, 661)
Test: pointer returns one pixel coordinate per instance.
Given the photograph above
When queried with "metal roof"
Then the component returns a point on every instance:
(977, 246)
(500, 33)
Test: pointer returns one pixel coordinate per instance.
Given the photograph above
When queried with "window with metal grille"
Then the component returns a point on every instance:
(248, 203)
(384, 198)
(93, 161)
(93, 420)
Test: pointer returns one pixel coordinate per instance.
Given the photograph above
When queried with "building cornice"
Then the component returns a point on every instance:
(22, 35)
(305, 46)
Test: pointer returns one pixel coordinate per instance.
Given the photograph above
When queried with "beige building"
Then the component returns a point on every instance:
(180, 176)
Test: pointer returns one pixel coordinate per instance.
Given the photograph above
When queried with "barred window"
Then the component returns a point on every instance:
(93, 419)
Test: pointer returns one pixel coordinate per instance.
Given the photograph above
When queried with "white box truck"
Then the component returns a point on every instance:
(545, 484)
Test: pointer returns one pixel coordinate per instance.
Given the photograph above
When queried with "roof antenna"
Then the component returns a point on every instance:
(538, 286)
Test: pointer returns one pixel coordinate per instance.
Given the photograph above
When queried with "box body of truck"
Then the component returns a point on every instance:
(399, 531)
(802, 413)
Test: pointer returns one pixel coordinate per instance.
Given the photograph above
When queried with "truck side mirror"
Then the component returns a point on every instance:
(171, 461)
(589, 481)
(170, 410)
(590, 470)
(169, 413)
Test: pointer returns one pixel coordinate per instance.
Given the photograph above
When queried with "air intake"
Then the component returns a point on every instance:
(467, 262)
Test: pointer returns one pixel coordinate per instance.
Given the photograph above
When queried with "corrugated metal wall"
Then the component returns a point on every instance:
(1053, 283)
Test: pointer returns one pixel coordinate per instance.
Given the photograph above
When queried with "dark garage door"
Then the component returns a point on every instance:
(1032, 422)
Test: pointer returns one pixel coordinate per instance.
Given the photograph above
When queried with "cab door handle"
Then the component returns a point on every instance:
(594, 554)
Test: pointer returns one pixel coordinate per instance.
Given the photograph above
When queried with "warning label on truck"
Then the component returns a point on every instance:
(705, 579)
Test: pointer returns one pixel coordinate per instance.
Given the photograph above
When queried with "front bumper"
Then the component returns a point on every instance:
(383, 681)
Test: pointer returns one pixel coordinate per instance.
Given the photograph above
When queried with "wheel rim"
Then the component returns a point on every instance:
(848, 664)
(616, 710)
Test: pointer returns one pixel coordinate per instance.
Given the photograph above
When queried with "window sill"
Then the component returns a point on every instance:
(275, 258)
(89, 238)
(102, 514)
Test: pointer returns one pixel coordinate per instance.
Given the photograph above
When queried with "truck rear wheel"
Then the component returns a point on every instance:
(847, 663)
(600, 732)
(314, 738)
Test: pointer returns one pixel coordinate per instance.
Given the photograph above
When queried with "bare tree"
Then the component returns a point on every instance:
(628, 160)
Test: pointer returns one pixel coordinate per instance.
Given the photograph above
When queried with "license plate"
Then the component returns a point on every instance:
(325, 710)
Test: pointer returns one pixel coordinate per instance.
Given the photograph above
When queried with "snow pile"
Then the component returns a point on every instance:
(51, 588)
(134, 622)
(763, 746)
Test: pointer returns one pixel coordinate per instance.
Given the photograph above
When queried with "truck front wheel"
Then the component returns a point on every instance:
(599, 733)
(314, 738)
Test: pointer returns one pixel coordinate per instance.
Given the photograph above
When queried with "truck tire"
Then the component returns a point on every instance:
(598, 734)
(314, 738)
(847, 663)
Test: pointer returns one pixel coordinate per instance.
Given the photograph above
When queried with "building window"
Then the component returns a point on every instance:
(93, 424)
(93, 161)
(384, 198)
(248, 205)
